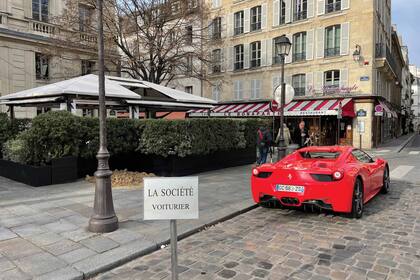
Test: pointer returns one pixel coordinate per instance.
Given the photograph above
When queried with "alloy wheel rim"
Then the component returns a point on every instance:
(386, 179)
(358, 198)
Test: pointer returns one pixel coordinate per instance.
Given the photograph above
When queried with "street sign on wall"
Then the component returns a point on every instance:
(361, 113)
(172, 198)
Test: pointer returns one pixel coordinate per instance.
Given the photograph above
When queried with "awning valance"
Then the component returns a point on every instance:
(390, 113)
(297, 108)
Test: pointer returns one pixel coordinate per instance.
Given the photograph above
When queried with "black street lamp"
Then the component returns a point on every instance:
(282, 46)
(103, 218)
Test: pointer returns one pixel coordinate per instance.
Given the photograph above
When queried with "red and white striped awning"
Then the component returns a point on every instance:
(324, 107)
(390, 113)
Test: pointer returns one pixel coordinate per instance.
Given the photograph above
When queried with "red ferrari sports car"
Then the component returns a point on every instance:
(337, 178)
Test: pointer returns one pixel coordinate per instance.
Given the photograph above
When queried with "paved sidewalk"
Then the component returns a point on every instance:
(280, 244)
(43, 230)
(395, 145)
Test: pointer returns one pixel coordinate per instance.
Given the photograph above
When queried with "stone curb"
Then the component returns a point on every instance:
(89, 270)
(403, 145)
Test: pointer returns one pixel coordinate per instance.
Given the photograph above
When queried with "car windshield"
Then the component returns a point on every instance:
(322, 155)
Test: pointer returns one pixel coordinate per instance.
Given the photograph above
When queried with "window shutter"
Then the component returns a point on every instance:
(345, 33)
(230, 25)
(263, 53)
(319, 81)
(210, 29)
(258, 89)
(276, 83)
(236, 90)
(241, 90)
(253, 86)
(344, 78)
(288, 6)
(269, 54)
(288, 58)
(246, 56)
(310, 45)
(229, 60)
(320, 42)
(309, 83)
(321, 7)
(263, 16)
(276, 12)
(247, 18)
(27, 6)
(311, 8)
(345, 4)
(223, 26)
(222, 60)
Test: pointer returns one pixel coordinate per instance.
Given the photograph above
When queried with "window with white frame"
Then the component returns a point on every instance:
(189, 35)
(239, 57)
(189, 64)
(300, 10)
(238, 89)
(85, 17)
(87, 67)
(256, 54)
(332, 6)
(216, 92)
(332, 40)
(282, 14)
(239, 22)
(217, 28)
(217, 61)
(299, 46)
(299, 84)
(255, 89)
(332, 79)
(188, 89)
(42, 66)
(256, 18)
(40, 10)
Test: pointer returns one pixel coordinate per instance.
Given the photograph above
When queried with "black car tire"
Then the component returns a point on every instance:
(386, 183)
(357, 206)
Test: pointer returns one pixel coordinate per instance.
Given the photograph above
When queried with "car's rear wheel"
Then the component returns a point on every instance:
(386, 181)
(357, 205)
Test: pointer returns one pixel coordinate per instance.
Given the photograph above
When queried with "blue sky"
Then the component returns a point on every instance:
(406, 15)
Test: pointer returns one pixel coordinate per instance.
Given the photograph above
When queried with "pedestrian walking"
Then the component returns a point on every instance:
(264, 140)
(286, 136)
(301, 135)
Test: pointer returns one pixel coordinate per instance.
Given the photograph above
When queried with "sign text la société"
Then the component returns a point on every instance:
(171, 198)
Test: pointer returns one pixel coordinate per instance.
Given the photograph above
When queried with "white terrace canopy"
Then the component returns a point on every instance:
(120, 93)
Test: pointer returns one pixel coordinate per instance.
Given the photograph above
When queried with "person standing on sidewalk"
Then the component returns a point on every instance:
(301, 135)
(264, 140)
(286, 136)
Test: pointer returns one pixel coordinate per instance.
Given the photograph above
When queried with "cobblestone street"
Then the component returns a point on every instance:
(289, 244)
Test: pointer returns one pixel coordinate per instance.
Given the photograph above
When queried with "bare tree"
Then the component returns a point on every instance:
(160, 41)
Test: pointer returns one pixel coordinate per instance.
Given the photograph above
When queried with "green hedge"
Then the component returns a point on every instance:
(9, 129)
(58, 134)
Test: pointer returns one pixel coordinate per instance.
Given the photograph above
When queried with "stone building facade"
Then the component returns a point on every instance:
(35, 50)
(341, 48)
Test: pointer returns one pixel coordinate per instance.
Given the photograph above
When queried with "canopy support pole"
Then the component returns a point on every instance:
(12, 112)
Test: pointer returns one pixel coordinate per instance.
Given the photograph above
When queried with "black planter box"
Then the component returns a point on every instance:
(35, 176)
(172, 165)
(60, 171)
(63, 170)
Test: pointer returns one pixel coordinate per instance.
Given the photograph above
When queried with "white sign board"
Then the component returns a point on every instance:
(361, 127)
(171, 198)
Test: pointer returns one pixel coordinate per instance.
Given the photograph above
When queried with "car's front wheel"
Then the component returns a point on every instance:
(357, 205)
(386, 184)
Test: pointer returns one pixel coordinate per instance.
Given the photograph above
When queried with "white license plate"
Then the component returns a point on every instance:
(288, 188)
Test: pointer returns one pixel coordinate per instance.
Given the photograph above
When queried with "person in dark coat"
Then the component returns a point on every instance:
(264, 141)
(301, 135)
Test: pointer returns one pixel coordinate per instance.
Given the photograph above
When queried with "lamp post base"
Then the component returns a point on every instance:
(103, 225)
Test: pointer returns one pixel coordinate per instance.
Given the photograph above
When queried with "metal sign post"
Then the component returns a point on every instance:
(171, 199)
(174, 250)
